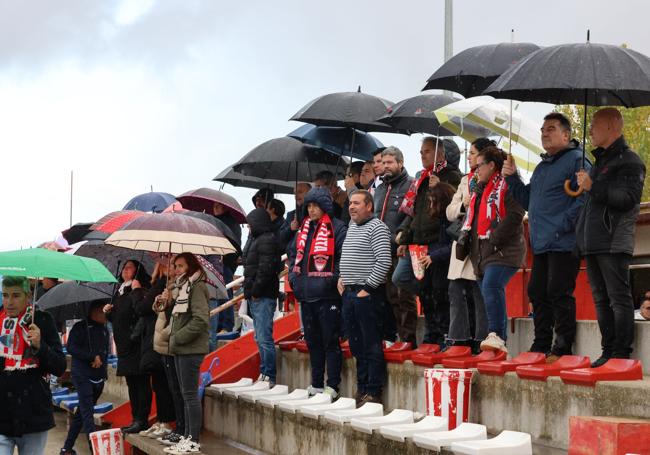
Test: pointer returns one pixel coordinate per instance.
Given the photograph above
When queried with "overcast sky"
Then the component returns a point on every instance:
(135, 94)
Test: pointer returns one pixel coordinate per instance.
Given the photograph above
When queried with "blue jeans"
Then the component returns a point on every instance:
(28, 444)
(493, 287)
(262, 311)
(322, 323)
(363, 318)
(89, 392)
(403, 276)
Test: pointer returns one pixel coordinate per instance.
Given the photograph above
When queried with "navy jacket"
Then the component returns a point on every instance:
(311, 289)
(552, 214)
(88, 339)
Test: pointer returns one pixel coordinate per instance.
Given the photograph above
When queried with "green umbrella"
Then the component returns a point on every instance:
(39, 263)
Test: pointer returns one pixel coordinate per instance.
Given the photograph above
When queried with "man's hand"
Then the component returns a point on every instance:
(362, 293)
(107, 308)
(425, 261)
(97, 362)
(433, 180)
(509, 166)
(294, 224)
(401, 250)
(584, 181)
(398, 237)
(340, 287)
(34, 336)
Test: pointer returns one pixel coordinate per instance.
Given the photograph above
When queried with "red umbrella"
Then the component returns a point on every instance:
(203, 199)
(115, 220)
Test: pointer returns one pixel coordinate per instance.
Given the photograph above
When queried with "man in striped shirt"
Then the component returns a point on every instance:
(365, 261)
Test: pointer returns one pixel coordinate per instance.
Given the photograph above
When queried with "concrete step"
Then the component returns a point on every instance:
(271, 402)
(368, 424)
(317, 410)
(506, 443)
(344, 416)
(403, 431)
(436, 440)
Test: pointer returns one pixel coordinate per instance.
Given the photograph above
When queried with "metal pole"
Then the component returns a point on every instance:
(449, 32)
(71, 187)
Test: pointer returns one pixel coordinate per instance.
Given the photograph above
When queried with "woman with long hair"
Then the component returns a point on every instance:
(497, 246)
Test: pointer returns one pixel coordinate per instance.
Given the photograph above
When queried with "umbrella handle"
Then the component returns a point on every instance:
(569, 191)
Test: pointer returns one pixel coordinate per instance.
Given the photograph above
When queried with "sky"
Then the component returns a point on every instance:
(140, 94)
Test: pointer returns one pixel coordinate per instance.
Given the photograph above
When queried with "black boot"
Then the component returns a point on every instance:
(136, 427)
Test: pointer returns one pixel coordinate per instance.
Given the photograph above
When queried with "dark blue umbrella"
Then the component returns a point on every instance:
(339, 140)
(150, 202)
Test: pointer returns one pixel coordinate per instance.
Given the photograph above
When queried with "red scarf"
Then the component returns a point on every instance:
(14, 346)
(408, 204)
(492, 208)
(321, 252)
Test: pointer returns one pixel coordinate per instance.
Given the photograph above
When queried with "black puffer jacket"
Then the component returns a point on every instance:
(395, 188)
(25, 398)
(422, 229)
(261, 257)
(606, 223)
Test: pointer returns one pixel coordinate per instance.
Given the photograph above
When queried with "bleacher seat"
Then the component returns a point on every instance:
(506, 443)
(236, 391)
(403, 356)
(301, 346)
(287, 345)
(69, 405)
(542, 371)
(272, 401)
(368, 424)
(431, 359)
(102, 408)
(317, 410)
(612, 370)
(436, 440)
(69, 396)
(252, 397)
(227, 336)
(502, 367)
(343, 416)
(243, 382)
(403, 431)
(292, 406)
(60, 391)
(472, 361)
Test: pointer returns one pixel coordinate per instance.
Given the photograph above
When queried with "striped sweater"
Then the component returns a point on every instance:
(366, 256)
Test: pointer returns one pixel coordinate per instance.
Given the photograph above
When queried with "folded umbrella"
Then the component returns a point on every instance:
(150, 202)
(203, 199)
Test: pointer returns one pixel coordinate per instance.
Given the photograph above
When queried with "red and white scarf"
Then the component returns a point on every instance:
(492, 208)
(321, 252)
(408, 203)
(14, 345)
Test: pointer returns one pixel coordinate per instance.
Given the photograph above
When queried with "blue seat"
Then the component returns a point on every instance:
(101, 408)
(59, 398)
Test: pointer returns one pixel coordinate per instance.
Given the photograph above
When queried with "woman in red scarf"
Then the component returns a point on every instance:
(497, 246)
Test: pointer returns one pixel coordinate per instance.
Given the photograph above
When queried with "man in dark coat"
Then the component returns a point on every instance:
(262, 264)
(388, 200)
(314, 259)
(30, 349)
(605, 232)
(552, 216)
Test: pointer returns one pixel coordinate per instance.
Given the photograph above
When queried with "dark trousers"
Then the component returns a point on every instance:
(467, 315)
(164, 401)
(89, 392)
(322, 325)
(187, 371)
(140, 396)
(363, 318)
(175, 391)
(550, 290)
(609, 277)
(402, 312)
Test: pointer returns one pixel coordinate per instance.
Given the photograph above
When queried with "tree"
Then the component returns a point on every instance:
(636, 132)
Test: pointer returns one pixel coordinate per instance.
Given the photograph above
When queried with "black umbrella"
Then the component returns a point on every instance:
(287, 159)
(349, 109)
(343, 141)
(416, 114)
(583, 73)
(233, 178)
(74, 292)
(470, 72)
(112, 256)
(76, 232)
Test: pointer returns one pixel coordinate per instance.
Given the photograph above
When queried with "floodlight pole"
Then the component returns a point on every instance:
(449, 29)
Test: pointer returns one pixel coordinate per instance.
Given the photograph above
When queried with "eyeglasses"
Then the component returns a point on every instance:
(482, 163)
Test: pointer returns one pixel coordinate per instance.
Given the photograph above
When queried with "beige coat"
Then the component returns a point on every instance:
(162, 334)
(459, 269)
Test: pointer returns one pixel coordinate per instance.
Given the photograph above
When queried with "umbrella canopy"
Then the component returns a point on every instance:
(202, 200)
(113, 257)
(171, 233)
(150, 202)
(470, 72)
(338, 140)
(584, 73)
(214, 280)
(38, 262)
(72, 292)
(76, 232)
(216, 222)
(466, 117)
(233, 178)
(115, 220)
(289, 160)
(349, 109)
(416, 114)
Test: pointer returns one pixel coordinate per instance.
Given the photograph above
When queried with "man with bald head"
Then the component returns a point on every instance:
(605, 230)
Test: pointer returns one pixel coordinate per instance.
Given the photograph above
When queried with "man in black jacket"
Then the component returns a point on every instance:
(262, 264)
(88, 347)
(388, 199)
(30, 349)
(605, 231)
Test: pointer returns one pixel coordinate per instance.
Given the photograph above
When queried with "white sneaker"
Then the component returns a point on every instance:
(162, 431)
(493, 342)
(149, 431)
(186, 445)
(331, 392)
(311, 390)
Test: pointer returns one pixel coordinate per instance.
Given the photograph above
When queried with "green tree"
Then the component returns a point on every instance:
(636, 131)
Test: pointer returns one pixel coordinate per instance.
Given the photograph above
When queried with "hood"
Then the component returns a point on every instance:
(452, 152)
(264, 193)
(320, 196)
(259, 222)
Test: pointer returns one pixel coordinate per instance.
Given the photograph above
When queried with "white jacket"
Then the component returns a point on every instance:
(459, 269)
